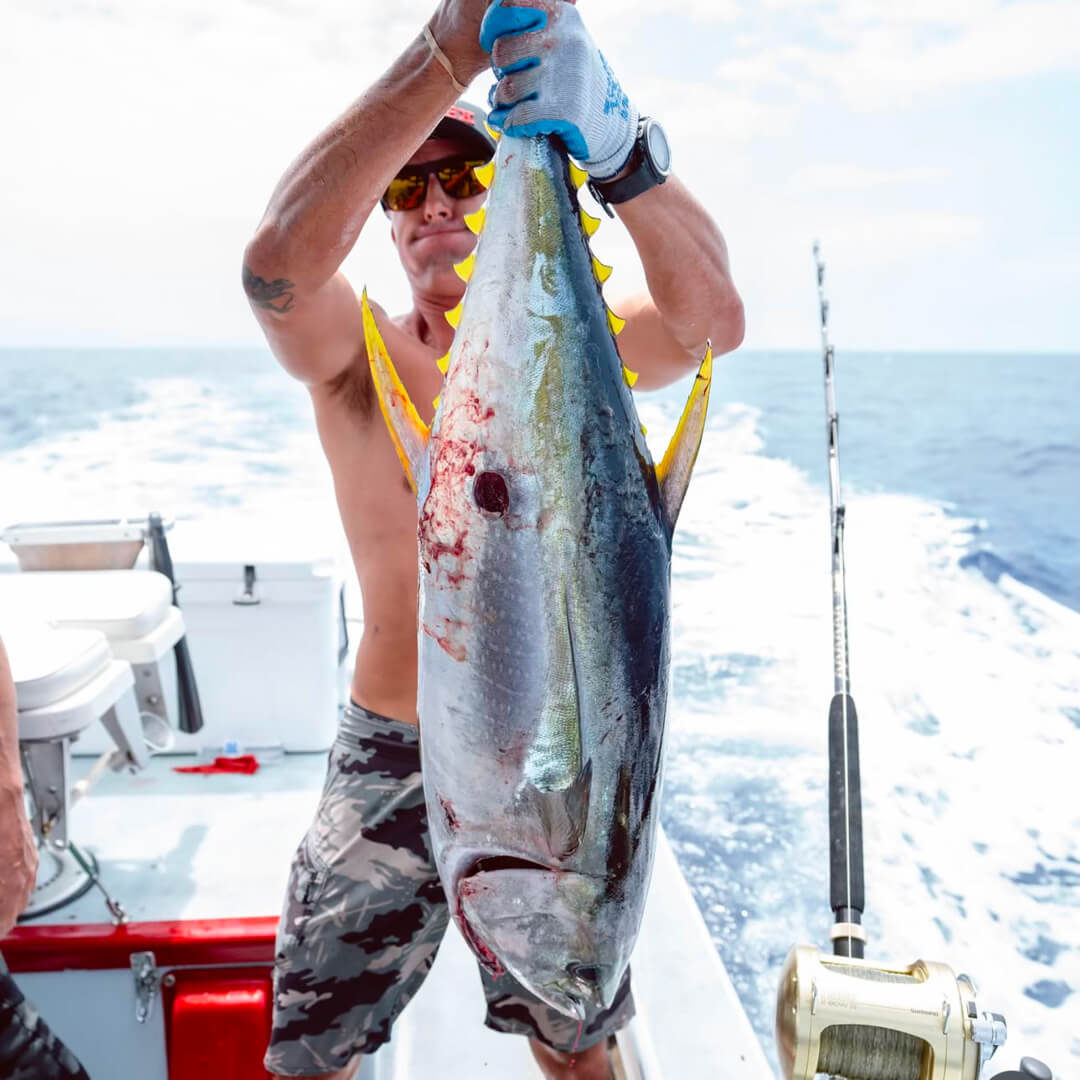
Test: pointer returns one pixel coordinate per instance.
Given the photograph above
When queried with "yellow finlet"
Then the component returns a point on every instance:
(475, 221)
(443, 363)
(435, 403)
(644, 430)
(496, 135)
(464, 269)
(631, 377)
(408, 432)
(453, 316)
(673, 472)
(578, 175)
(589, 223)
(615, 322)
(485, 173)
(601, 271)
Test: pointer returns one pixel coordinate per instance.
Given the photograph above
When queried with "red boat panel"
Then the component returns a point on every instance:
(97, 946)
(217, 1024)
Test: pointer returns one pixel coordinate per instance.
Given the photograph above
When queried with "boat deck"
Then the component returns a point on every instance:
(175, 846)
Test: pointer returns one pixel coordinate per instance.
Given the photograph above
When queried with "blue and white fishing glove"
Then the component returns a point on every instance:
(553, 80)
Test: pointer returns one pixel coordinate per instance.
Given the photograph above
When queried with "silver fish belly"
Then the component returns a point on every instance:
(544, 567)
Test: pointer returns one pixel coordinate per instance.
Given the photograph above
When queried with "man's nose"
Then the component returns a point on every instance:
(437, 204)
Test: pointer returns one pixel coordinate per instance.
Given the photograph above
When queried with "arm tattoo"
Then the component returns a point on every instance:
(277, 295)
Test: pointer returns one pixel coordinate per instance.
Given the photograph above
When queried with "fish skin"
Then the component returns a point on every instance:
(544, 578)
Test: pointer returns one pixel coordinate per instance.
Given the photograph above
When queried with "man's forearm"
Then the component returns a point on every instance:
(686, 267)
(11, 781)
(321, 203)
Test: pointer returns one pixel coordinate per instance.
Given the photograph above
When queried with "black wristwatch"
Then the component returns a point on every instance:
(650, 164)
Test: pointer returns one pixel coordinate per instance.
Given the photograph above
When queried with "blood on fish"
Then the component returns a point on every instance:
(451, 817)
(453, 649)
(577, 1039)
(487, 957)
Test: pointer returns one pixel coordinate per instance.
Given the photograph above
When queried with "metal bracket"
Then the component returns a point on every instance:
(147, 983)
(248, 596)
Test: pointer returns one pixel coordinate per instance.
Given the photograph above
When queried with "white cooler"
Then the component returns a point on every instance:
(267, 647)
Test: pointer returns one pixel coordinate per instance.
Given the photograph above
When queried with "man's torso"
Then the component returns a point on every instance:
(378, 511)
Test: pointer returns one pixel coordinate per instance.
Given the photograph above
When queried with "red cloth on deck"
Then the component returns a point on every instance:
(242, 763)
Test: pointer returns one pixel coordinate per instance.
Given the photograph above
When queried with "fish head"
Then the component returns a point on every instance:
(559, 933)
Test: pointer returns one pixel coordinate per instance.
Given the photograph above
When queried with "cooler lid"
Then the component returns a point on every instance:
(123, 604)
(49, 664)
(300, 570)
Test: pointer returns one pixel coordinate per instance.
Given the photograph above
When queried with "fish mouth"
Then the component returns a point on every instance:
(487, 864)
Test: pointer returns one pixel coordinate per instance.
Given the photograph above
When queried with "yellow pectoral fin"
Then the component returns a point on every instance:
(673, 473)
(409, 433)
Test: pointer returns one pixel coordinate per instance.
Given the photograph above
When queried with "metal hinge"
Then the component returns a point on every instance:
(147, 981)
(248, 597)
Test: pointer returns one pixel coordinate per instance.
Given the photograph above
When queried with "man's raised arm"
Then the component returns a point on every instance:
(307, 309)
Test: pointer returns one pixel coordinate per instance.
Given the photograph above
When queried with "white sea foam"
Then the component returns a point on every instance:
(968, 754)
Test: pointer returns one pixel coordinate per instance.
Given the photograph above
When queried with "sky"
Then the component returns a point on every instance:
(932, 146)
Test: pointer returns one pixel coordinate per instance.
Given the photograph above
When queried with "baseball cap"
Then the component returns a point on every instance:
(466, 121)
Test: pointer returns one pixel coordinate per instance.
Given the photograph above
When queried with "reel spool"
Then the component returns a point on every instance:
(845, 1017)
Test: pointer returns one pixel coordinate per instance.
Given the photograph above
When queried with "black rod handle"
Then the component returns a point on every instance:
(847, 892)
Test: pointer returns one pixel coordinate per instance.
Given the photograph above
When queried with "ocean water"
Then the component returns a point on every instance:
(962, 480)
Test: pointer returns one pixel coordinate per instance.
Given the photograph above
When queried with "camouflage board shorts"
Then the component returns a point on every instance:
(364, 915)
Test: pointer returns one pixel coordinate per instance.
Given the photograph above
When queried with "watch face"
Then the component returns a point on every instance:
(659, 150)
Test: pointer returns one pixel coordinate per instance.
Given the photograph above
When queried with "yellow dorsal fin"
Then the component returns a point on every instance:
(589, 223)
(630, 376)
(615, 322)
(475, 221)
(407, 431)
(443, 363)
(453, 316)
(601, 271)
(485, 173)
(578, 175)
(673, 472)
(464, 268)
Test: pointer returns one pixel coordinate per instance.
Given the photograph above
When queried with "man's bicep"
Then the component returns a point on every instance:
(315, 335)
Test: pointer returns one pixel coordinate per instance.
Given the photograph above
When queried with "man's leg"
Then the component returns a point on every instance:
(28, 1049)
(590, 1064)
(364, 911)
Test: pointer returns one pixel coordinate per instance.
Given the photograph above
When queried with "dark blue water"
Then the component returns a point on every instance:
(997, 439)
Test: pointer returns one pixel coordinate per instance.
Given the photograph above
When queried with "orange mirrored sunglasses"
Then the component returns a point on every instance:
(456, 175)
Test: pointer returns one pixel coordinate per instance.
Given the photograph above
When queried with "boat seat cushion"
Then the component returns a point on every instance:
(122, 604)
(50, 664)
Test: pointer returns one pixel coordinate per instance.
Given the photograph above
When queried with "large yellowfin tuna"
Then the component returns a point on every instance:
(545, 552)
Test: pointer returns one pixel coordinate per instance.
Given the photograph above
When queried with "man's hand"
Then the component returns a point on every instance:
(456, 27)
(18, 858)
(554, 81)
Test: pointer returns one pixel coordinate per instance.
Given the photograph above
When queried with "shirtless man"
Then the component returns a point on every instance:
(365, 912)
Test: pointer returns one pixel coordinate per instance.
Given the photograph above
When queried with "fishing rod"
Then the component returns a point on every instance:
(843, 1016)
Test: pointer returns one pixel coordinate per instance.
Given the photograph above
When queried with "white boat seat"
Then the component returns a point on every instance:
(133, 609)
(122, 604)
(50, 665)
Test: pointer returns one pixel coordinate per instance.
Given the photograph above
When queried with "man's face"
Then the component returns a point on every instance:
(431, 238)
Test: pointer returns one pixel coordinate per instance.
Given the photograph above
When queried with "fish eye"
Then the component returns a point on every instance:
(491, 494)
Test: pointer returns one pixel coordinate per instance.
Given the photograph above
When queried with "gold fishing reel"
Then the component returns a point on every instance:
(845, 1017)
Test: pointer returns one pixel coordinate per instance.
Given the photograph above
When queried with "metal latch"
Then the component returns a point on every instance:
(247, 597)
(147, 982)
